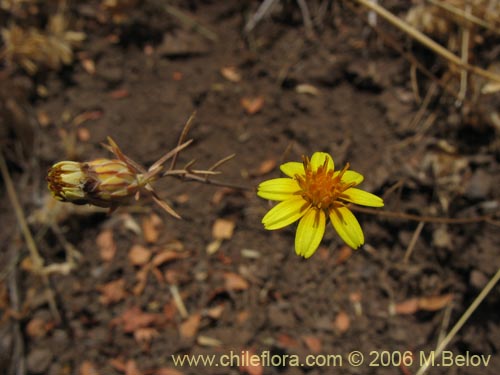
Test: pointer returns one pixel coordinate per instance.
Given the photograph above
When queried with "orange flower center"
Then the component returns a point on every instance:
(320, 187)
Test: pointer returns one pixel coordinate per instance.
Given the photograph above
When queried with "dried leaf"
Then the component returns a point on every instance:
(36, 327)
(189, 327)
(252, 105)
(88, 66)
(118, 364)
(249, 369)
(170, 311)
(43, 118)
(312, 343)
(410, 306)
(83, 134)
(87, 368)
(306, 88)
(208, 341)
(131, 368)
(231, 73)
(233, 281)
(287, 341)
(264, 168)
(344, 254)
(144, 336)
(215, 312)
(112, 292)
(87, 116)
(213, 247)
(134, 318)
(167, 371)
(434, 303)
(223, 229)
(342, 322)
(151, 226)
(119, 94)
(106, 245)
(139, 255)
(167, 256)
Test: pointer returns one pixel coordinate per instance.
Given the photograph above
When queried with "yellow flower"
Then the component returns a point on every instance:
(313, 191)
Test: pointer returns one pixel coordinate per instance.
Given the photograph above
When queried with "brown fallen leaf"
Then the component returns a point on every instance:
(131, 368)
(87, 368)
(264, 168)
(434, 303)
(312, 343)
(233, 281)
(43, 118)
(231, 73)
(87, 116)
(36, 327)
(106, 245)
(119, 93)
(431, 303)
(343, 255)
(112, 292)
(88, 65)
(342, 322)
(215, 312)
(83, 134)
(287, 341)
(139, 255)
(189, 328)
(250, 368)
(252, 105)
(134, 318)
(166, 256)
(144, 336)
(167, 371)
(223, 229)
(410, 306)
(151, 226)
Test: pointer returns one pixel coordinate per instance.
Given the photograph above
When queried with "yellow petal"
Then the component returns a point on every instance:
(293, 168)
(350, 177)
(310, 232)
(278, 189)
(362, 198)
(347, 227)
(318, 159)
(285, 213)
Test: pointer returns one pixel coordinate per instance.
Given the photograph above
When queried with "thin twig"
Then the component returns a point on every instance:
(465, 59)
(189, 21)
(36, 258)
(464, 14)
(183, 135)
(413, 241)
(426, 219)
(426, 41)
(463, 319)
(264, 7)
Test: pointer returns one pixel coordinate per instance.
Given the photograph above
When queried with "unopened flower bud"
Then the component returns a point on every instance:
(101, 182)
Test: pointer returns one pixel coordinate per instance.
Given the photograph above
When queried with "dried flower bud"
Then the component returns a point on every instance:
(101, 182)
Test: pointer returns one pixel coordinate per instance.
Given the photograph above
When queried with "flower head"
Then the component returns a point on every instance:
(107, 182)
(313, 191)
(101, 182)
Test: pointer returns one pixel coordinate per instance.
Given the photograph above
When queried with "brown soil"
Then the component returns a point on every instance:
(252, 293)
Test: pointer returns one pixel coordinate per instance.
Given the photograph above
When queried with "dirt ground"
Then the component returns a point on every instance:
(268, 96)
